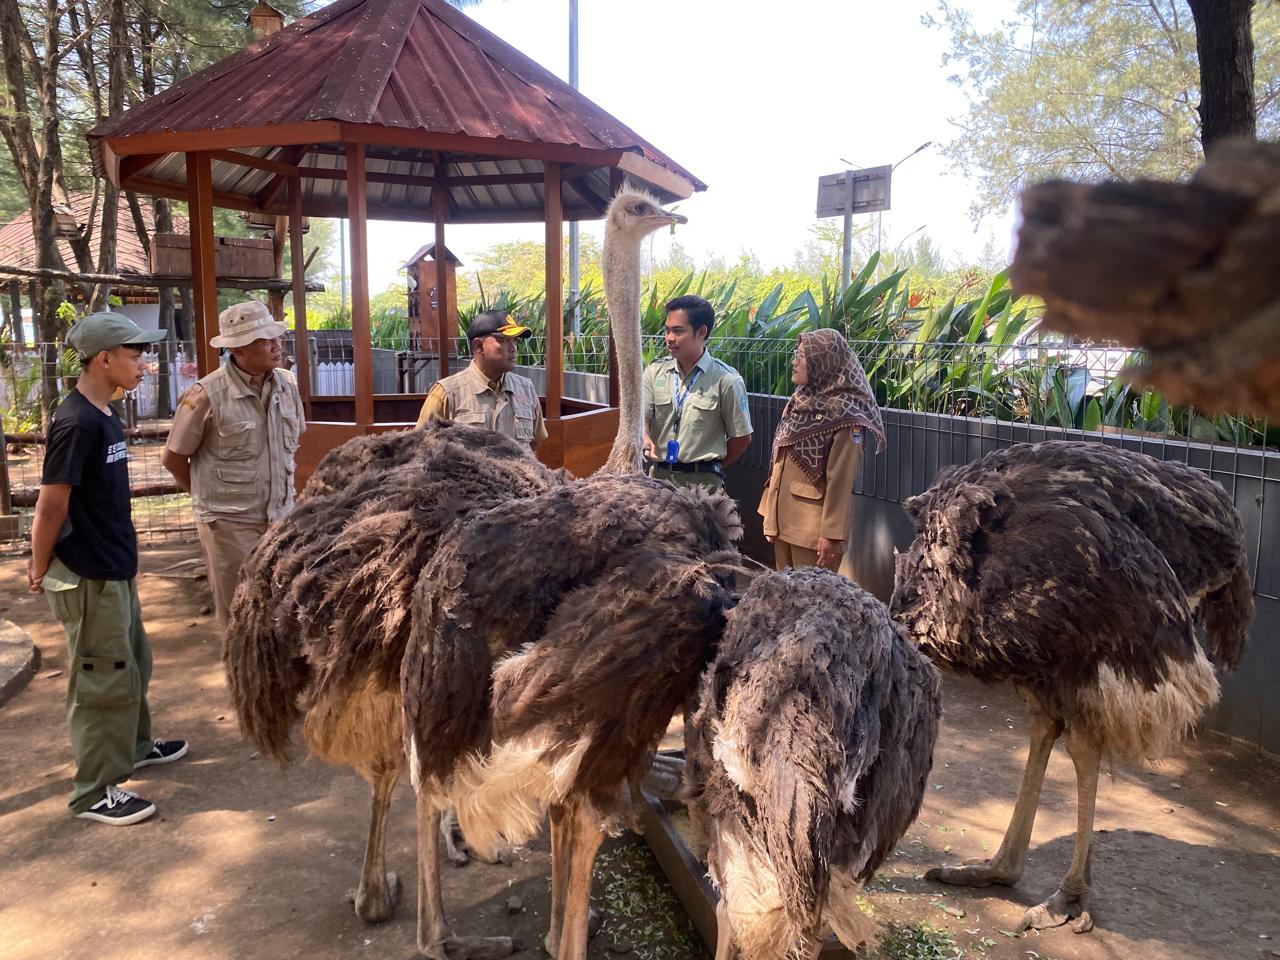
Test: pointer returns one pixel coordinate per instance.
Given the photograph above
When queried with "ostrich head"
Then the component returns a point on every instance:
(633, 215)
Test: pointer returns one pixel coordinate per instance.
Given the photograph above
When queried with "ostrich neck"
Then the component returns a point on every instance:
(622, 293)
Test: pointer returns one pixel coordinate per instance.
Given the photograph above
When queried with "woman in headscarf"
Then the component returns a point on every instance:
(816, 453)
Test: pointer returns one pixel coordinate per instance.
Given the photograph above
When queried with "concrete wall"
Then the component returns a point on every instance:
(920, 444)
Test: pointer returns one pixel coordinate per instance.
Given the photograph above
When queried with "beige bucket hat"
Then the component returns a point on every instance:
(242, 323)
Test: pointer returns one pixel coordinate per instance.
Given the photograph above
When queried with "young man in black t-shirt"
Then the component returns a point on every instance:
(84, 557)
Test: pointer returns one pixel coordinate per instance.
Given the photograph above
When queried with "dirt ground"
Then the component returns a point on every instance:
(246, 860)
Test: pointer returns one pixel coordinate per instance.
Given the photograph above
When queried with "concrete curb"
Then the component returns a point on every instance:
(19, 660)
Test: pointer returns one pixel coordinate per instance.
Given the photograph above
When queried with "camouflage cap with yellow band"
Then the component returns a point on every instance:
(496, 323)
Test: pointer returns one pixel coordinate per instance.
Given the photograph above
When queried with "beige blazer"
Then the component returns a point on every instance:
(799, 511)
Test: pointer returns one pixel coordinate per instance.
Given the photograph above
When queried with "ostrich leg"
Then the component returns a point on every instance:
(435, 939)
(1006, 866)
(375, 898)
(583, 840)
(726, 947)
(1072, 897)
(560, 852)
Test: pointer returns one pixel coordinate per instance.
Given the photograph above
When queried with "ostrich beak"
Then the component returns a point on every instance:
(675, 218)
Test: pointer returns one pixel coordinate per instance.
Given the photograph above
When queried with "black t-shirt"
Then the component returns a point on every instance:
(86, 449)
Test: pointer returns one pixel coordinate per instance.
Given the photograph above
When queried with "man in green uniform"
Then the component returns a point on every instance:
(696, 421)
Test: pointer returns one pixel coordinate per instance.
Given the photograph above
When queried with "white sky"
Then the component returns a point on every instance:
(757, 101)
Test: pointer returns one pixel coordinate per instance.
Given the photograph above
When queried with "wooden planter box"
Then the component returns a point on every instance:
(234, 258)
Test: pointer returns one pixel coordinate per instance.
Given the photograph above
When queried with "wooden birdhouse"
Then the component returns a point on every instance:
(264, 20)
(421, 272)
(65, 221)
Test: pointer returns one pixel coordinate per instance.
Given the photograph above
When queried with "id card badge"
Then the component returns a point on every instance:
(673, 450)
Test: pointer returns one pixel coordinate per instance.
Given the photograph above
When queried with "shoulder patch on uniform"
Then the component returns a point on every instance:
(188, 396)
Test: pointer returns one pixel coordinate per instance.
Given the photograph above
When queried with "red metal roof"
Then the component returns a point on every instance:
(417, 76)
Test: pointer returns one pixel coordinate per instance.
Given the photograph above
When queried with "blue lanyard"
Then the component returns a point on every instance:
(680, 397)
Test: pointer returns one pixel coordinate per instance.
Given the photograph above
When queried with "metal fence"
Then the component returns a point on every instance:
(943, 400)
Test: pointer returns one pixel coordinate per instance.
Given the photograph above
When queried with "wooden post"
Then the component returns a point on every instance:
(301, 344)
(204, 283)
(15, 312)
(361, 337)
(554, 216)
(275, 298)
(440, 203)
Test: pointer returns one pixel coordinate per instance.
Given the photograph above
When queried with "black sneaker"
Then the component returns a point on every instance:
(119, 808)
(163, 751)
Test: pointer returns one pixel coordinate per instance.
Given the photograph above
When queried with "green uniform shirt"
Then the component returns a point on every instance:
(714, 410)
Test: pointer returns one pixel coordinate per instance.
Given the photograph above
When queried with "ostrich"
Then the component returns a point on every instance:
(808, 756)
(1079, 572)
(325, 612)
(321, 618)
(632, 216)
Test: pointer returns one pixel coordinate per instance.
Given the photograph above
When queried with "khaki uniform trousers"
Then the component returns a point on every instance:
(109, 667)
(711, 481)
(226, 544)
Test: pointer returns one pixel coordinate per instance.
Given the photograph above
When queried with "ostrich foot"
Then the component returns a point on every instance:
(595, 921)
(975, 873)
(503, 855)
(474, 948)
(1057, 910)
(376, 906)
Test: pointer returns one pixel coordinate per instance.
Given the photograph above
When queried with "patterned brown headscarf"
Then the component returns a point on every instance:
(837, 397)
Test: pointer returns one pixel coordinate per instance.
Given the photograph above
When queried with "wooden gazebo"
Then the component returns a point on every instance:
(396, 110)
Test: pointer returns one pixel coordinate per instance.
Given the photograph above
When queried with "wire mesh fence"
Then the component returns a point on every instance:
(943, 401)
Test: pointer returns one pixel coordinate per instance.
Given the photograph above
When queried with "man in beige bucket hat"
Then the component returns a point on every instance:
(232, 445)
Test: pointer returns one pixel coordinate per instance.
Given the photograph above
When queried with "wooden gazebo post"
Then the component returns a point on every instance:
(301, 346)
(204, 283)
(554, 218)
(361, 339)
(440, 210)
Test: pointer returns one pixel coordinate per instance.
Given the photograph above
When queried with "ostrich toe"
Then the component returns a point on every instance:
(1057, 910)
(474, 948)
(376, 906)
(974, 873)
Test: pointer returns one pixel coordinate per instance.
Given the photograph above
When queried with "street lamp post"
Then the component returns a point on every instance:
(575, 275)
(923, 146)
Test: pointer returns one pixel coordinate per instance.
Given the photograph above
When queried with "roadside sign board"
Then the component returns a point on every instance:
(854, 191)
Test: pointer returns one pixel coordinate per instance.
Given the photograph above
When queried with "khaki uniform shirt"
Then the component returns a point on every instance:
(241, 442)
(714, 410)
(799, 511)
(509, 405)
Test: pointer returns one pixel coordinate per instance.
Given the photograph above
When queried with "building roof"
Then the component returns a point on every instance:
(430, 251)
(18, 246)
(431, 93)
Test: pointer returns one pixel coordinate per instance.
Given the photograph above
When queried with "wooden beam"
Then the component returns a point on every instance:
(440, 206)
(180, 191)
(204, 285)
(147, 281)
(268, 194)
(554, 217)
(257, 163)
(481, 146)
(180, 141)
(132, 166)
(655, 174)
(418, 180)
(301, 345)
(361, 336)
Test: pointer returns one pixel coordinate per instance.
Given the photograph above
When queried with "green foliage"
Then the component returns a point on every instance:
(916, 941)
(1091, 91)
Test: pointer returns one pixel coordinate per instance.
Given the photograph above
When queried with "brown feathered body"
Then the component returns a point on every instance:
(808, 756)
(321, 619)
(1080, 571)
(599, 621)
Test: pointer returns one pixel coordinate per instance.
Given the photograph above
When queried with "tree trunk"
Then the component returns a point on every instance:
(110, 226)
(1224, 42)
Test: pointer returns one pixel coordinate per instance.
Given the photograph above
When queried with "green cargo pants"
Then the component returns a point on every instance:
(109, 668)
(711, 481)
